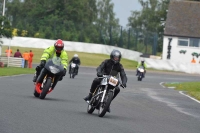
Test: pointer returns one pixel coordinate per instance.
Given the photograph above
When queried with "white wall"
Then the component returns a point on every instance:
(175, 55)
(178, 62)
(71, 46)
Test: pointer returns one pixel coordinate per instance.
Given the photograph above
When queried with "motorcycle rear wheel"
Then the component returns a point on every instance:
(105, 105)
(45, 88)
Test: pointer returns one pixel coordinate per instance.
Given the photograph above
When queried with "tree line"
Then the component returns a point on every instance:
(91, 21)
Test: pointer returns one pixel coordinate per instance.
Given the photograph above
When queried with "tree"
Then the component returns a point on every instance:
(6, 29)
(149, 18)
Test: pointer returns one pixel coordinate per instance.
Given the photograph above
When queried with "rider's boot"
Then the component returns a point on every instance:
(35, 76)
(88, 98)
(136, 73)
(108, 110)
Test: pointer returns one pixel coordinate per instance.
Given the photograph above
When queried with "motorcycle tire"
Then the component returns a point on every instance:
(45, 89)
(36, 94)
(90, 109)
(104, 106)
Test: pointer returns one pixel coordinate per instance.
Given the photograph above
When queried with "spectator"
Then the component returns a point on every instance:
(30, 59)
(8, 52)
(26, 58)
(18, 54)
(193, 60)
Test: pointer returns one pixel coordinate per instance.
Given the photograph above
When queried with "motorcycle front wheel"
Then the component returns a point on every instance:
(36, 94)
(105, 105)
(45, 89)
(90, 109)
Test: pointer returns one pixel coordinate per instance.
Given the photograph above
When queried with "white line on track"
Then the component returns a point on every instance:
(181, 92)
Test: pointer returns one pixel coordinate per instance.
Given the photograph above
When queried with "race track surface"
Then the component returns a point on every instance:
(143, 107)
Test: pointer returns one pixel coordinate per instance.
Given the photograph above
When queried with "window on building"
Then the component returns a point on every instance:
(183, 42)
(194, 42)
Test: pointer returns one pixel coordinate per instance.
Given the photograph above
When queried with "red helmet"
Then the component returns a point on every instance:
(59, 45)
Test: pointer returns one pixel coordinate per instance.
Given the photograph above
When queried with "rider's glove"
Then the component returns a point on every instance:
(99, 74)
(64, 72)
(42, 63)
(38, 68)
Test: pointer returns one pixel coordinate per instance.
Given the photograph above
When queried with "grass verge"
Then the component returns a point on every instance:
(87, 59)
(8, 71)
(191, 88)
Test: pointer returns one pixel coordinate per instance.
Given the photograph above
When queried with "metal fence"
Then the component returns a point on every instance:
(129, 38)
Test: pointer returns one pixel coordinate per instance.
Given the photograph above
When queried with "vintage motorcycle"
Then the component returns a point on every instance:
(103, 95)
(72, 72)
(140, 73)
(53, 71)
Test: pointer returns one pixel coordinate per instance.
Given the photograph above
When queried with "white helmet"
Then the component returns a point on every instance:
(75, 55)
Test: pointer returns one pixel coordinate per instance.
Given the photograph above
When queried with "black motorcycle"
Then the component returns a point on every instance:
(53, 69)
(72, 72)
(103, 95)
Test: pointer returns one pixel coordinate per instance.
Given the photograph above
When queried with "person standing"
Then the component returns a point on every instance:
(30, 59)
(18, 54)
(8, 52)
(26, 58)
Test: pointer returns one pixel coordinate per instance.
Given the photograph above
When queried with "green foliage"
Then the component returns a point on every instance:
(5, 28)
(150, 17)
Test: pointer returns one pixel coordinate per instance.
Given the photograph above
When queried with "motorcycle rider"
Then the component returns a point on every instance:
(56, 50)
(105, 68)
(142, 63)
(76, 61)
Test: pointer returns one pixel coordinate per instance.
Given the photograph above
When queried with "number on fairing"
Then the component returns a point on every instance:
(113, 81)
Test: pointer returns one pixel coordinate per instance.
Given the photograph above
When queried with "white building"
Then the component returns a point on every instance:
(183, 28)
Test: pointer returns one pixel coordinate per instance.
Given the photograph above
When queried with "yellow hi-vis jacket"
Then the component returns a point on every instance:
(48, 53)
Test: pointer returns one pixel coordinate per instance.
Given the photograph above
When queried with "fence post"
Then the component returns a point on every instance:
(22, 63)
(120, 41)
(129, 32)
(111, 41)
(155, 44)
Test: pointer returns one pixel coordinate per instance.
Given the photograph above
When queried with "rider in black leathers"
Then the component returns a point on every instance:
(76, 61)
(105, 68)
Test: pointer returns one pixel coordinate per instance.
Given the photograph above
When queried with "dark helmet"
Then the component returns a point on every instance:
(115, 56)
(59, 45)
(142, 61)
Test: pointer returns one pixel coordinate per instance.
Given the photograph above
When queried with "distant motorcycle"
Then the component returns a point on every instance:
(72, 72)
(103, 95)
(54, 68)
(140, 73)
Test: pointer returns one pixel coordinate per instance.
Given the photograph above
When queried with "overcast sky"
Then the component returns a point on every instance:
(123, 8)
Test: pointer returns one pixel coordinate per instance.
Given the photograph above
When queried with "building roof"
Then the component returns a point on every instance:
(183, 19)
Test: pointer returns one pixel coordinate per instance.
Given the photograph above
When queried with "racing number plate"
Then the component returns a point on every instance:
(113, 81)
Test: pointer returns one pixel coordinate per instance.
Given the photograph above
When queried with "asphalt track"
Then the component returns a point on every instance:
(143, 107)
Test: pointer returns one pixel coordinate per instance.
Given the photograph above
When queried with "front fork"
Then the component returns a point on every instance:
(104, 93)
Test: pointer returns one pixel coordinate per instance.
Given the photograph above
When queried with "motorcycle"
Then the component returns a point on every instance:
(103, 95)
(140, 73)
(72, 72)
(54, 69)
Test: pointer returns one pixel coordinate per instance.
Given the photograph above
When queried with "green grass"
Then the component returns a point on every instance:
(87, 59)
(191, 88)
(8, 71)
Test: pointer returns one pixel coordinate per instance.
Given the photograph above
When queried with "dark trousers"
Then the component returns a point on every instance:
(25, 63)
(96, 82)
